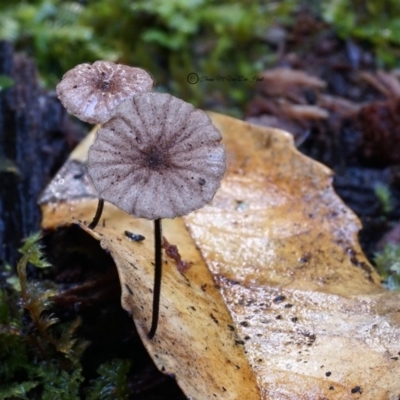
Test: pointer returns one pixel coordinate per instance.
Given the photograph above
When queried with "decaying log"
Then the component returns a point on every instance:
(36, 137)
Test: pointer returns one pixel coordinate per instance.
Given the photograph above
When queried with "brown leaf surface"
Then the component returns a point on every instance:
(311, 319)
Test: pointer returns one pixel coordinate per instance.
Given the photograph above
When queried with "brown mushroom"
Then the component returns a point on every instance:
(157, 157)
(92, 92)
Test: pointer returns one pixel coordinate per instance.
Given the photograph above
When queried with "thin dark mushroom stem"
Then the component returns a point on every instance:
(157, 276)
(97, 216)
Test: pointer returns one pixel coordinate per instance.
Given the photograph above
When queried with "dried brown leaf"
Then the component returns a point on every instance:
(311, 319)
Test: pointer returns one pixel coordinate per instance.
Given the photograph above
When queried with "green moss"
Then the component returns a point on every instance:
(384, 196)
(374, 21)
(174, 38)
(169, 38)
(111, 383)
(388, 265)
(16, 390)
(40, 359)
(5, 82)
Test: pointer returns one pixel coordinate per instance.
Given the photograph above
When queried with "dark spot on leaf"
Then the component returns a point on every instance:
(279, 299)
(361, 264)
(305, 258)
(129, 289)
(172, 251)
(311, 337)
(214, 319)
(134, 236)
(356, 389)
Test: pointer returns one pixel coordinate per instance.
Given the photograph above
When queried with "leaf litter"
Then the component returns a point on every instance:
(279, 301)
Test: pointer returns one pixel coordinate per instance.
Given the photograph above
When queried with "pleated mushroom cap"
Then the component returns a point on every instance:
(92, 92)
(157, 157)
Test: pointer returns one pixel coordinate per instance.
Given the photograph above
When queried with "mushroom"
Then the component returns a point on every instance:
(92, 92)
(157, 157)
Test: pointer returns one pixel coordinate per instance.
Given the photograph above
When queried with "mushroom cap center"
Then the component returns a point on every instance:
(156, 158)
(105, 82)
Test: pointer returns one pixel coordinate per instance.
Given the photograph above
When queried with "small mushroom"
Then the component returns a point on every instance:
(92, 92)
(157, 157)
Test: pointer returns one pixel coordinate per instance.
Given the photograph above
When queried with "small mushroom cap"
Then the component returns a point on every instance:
(92, 92)
(158, 157)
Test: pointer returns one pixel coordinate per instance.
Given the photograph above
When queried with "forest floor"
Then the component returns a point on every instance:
(342, 111)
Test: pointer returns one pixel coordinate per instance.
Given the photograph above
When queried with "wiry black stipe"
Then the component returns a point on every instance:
(97, 216)
(157, 277)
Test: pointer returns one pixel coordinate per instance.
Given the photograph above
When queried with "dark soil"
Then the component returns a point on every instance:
(359, 137)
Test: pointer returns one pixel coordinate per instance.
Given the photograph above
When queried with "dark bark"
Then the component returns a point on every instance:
(36, 137)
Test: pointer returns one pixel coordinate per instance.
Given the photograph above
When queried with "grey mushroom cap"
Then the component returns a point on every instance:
(92, 92)
(158, 157)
